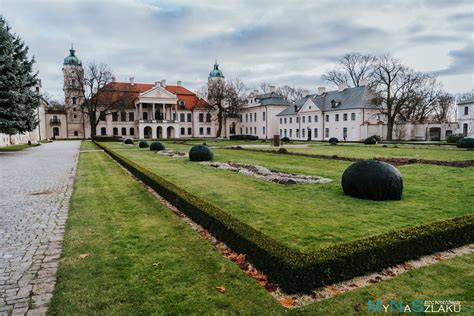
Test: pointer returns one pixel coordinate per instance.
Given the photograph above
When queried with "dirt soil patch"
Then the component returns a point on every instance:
(267, 174)
(173, 153)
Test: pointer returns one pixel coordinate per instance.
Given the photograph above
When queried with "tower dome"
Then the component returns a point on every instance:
(72, 58)
(216, 72)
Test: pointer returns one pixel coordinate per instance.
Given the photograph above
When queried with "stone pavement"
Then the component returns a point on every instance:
(35, 186)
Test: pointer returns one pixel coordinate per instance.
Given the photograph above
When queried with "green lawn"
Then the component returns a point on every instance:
(16, 147)
(311, 216)
(144, 260)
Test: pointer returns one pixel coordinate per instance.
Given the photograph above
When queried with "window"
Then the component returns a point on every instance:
(327, 118)
(281, 120)
(315, 133)
(285, 132)
(131, 116)
(132, 131)
(201, 118)
(281, 132)
(74, 100)
(114, 116)
(102, 116)
(304, 119)
(190, 131)
(353, 116)
(208, 131)
(344, 117)
(183, 130)
(174, 116)
(189, 117)
(115, 131)
(182, 117)
(103, 131)
(315, 119)
(246, 130)
(75, 116)
(466, 110)
(246, 118)
(337, 118)
(201, 131)
(73, 81)
(344, 133)
(255, 117)
(303, 132)
(251, 116)
(123, 116)
(326, 132)
(297, 133)
(74, 109)
(309, 119)
(124, 131)
(263, 130)
(208, 117)
(297, 119)
(76, 133)
(241, 131)
(145, 116)
(291, 132)
(263, 117)
(241, 118)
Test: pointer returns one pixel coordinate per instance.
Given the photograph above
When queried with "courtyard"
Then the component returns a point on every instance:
(121, 239)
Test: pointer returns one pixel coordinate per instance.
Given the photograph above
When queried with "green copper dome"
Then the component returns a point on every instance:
(72, 59)
(216, 72)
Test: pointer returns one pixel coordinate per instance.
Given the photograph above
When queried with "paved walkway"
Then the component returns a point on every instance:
(35, 186)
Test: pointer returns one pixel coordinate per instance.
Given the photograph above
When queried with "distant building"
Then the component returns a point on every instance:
(465, 117)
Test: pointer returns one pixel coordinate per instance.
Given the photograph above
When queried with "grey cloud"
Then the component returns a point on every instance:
(462, 62)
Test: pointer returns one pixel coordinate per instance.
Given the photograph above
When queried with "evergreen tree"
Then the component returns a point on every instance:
(18, 102)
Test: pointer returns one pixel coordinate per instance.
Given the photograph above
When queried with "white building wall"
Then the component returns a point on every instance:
(466, 119)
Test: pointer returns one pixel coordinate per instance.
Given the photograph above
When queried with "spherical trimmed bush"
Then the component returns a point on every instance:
(370, 141)
(200, 153)
(129, 141)
(143, 144)
(372, 180)
(333, 140)
(465, 143)
(157, 146)
(285, 140)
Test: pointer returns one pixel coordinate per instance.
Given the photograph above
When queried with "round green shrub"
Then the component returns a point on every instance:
(200, 153)
(465, 143)
(157, 146)
(376, 137)
(370, 141)
(333, 140)
(454, 138)
(129, 141)
(372, 180)
(143, 144)
(285, 140)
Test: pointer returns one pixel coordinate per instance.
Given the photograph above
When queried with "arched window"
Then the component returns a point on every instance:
(208, 131)
(201, 131)
(189, 131)
(74, 100)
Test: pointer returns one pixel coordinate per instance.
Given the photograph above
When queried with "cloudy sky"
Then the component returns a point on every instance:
(280, 42)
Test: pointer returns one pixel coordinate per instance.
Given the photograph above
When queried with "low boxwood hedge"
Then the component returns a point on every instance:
(465, 143)
(243, 137)
(293, 270)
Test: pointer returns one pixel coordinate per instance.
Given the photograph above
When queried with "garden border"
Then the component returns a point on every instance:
(294, 270)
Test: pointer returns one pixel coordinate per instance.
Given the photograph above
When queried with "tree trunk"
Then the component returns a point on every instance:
(93, 123)
(219, 122)
(389, 127)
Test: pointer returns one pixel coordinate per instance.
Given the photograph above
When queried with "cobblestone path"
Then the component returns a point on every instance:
(35, 186)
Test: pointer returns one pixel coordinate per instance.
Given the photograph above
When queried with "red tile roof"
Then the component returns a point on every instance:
(116, 89)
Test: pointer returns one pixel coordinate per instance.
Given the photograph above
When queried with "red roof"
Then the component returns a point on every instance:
(191, 100)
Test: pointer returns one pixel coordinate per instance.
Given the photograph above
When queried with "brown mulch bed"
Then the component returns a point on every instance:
(393, 161)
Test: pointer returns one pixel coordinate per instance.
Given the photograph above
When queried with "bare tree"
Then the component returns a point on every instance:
(290, 93)
(98, 97)
(395, 88)
(422, 105)
(353, 69)
(444, 110)
(225, 98)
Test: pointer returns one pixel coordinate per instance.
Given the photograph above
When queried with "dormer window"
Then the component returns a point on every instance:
(335, 103)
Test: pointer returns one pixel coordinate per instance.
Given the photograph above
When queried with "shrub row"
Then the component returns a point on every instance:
(100, 138)
(243, 137)
(453, 138)
(293, 270)
(465, 143)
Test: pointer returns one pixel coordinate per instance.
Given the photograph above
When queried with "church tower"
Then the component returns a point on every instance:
(216, 73)
(73, 74)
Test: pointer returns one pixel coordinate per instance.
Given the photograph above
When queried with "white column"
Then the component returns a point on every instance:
(153, 114)
(164, 113)
(140, 111)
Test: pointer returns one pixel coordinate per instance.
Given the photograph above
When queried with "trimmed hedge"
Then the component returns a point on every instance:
(293, 270)
(243, 137)
(101, 138)
(129, 141)
(200, 153)
(333, 140)
(285, 140)
(465, 143)
(143, 144)
(454, 138)
(370, 141)
(157, 146)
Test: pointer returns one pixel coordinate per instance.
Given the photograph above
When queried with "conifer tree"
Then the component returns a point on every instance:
(18, 102)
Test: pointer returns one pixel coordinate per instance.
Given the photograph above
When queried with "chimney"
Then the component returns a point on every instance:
(321, 90)
(163, 82)
(364, 82)
(178, 83)
(342, 86)
(114, 79)
(272, 88)
(132, 81)
(296, 108)
(157, 83)
(305, 92)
